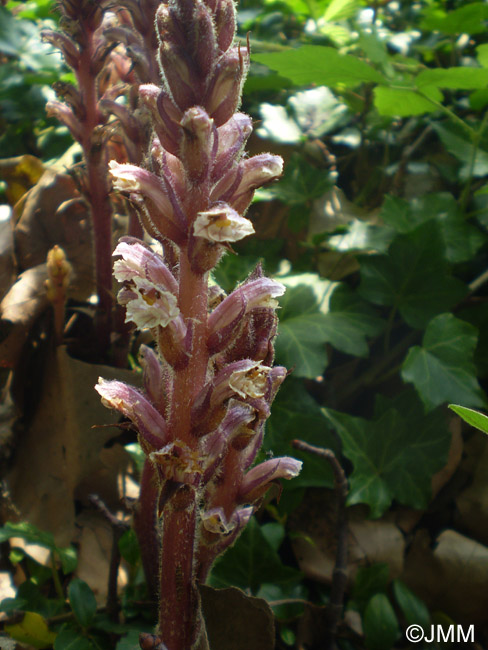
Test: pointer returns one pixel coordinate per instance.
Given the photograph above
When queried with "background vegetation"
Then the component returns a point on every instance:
(379, 231)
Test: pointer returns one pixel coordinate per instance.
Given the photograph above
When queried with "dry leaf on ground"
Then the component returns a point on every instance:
(60, 449)
(237, 621)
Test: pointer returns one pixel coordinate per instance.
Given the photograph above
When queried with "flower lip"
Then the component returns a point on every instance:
(221, 223)
(151, 306)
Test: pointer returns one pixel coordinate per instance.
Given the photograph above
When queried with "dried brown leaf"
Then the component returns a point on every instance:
(60, 449)
(237, 621)
(19, 309)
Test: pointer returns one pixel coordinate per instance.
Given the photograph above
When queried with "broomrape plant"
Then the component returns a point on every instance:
(210, 381)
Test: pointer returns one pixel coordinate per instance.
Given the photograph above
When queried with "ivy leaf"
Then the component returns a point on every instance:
(251, 562)
(413, 277)
(474, 418)
(295, 414)
(405, 102)
(461, 239)
(301, 183)
(380, 624)
(320, 65)
(301, 333)
(71, 639)
(350, 321)
(395, 455)
(32, 535)
(442, 369)
(82, 602)
(414, 609)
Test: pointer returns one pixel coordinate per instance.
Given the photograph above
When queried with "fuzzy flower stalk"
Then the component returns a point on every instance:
(210, 380)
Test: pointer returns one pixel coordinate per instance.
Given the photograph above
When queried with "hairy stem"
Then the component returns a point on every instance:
(98, 191)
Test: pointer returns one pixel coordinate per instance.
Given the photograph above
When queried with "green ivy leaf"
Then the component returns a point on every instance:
(301, 333)
(405, 102)
(320, 65)
(395, 455)
(82, 602)
(461, 239)
(380, 624)
(301, 183)
(295, 414)
(129, 548)
(369, 581)
(129, 642)
(413, 278)
(252, 561)
(70, 639)
(474, 418)
(442, 369)
(32, 535)
(350, 321)
(414, 609)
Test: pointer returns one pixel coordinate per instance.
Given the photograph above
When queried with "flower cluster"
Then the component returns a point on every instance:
(210, 381)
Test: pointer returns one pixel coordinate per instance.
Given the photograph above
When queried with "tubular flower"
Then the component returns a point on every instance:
(222, 224)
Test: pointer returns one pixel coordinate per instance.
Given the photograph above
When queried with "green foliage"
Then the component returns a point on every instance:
(442, 369)
(82, 602)
(251, 562)
(393, 455)
(474, 418)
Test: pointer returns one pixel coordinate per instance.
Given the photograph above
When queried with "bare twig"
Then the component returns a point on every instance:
(118, 527)
(339, 575)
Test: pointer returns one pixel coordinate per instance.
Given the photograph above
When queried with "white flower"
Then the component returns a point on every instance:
(250, 382)
(222, 224)
(150, 306)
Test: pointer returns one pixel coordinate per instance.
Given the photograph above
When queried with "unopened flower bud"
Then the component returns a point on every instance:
(224, 94)
(232, 137)
(58, 272)
(204, 39)
(178, 75)
(196, 143)
(165, 116)
(223, 321)
(225, 22)
(155, 380)
(222, 224)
